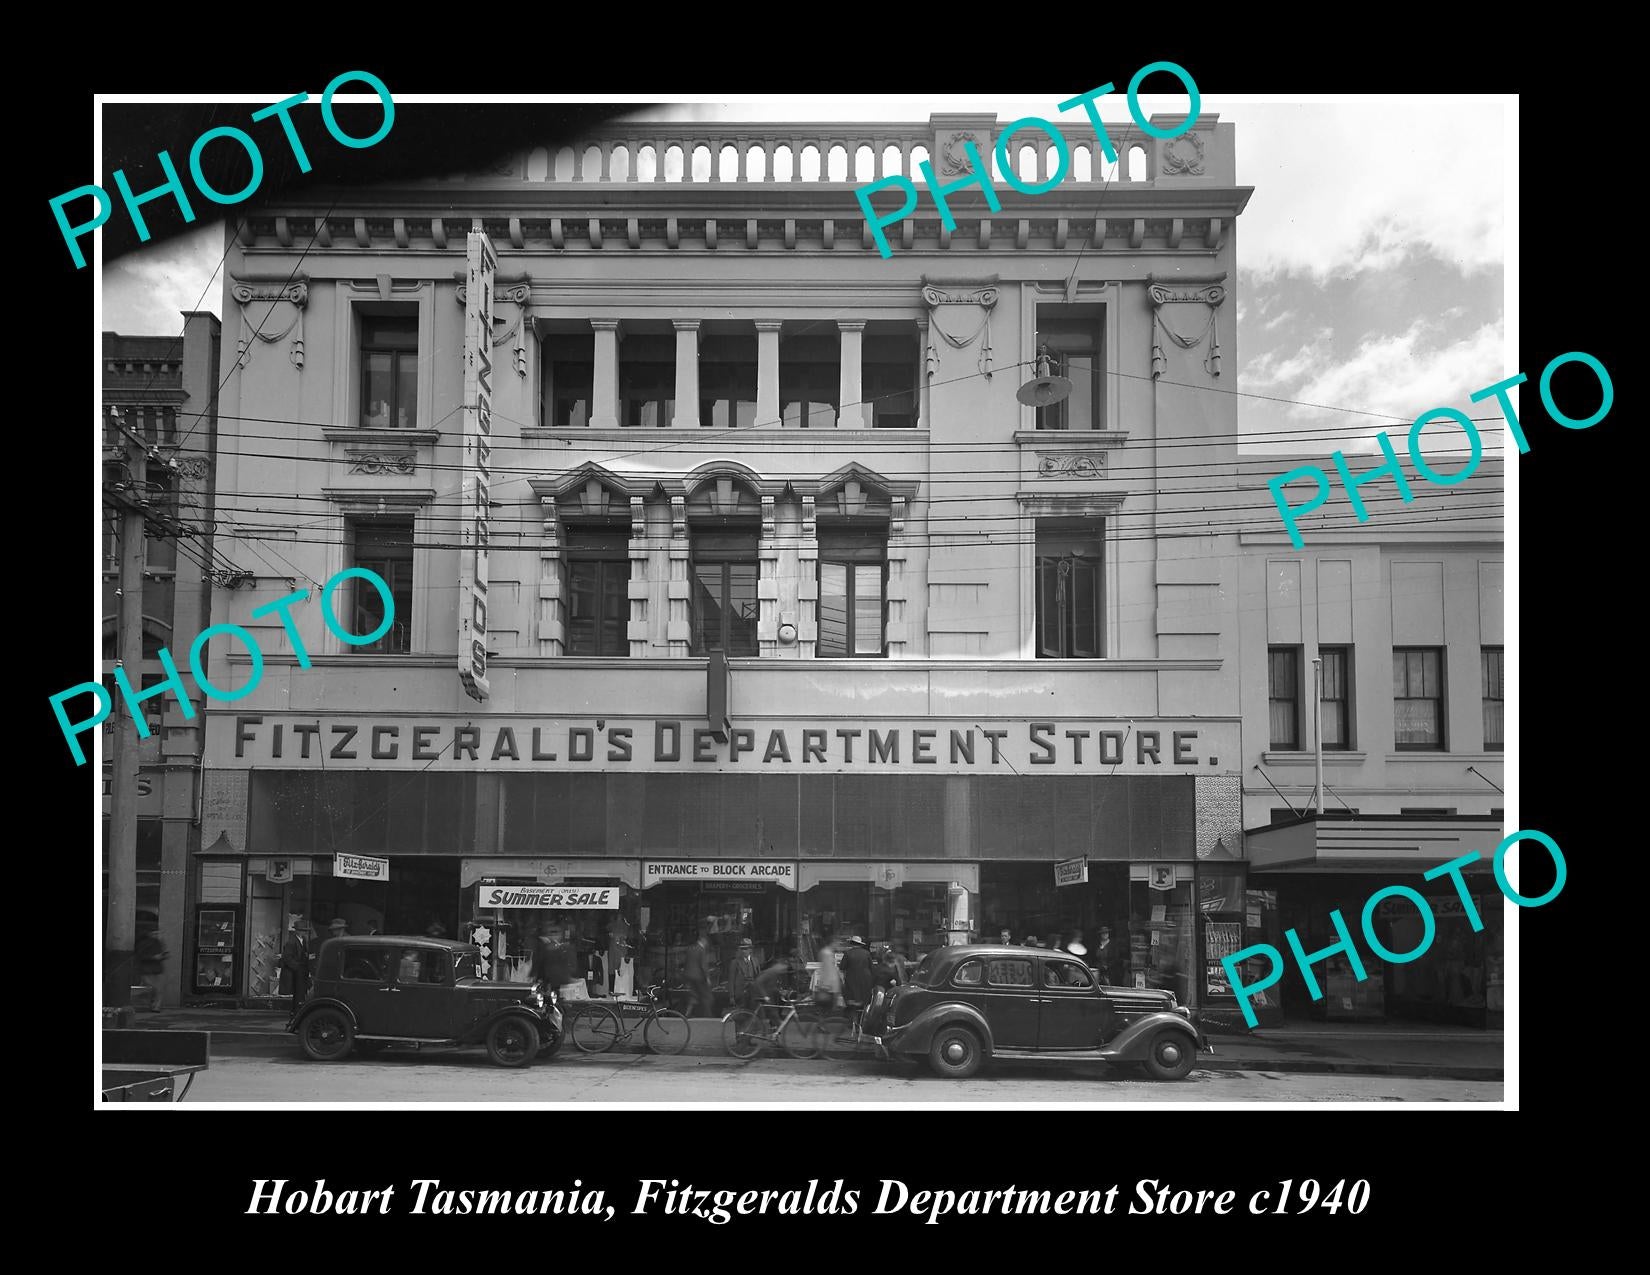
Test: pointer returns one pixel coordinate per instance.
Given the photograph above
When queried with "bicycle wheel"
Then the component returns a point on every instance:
(743, 1034)
(667, 1032)
(593, 1027)
(799, 1037)
(836, 1037)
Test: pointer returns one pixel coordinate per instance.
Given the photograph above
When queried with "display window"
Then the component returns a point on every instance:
(912, 918)
(671, 915)
(1163, 934)
(1020, 903)
(1459, 977)
(603, 940)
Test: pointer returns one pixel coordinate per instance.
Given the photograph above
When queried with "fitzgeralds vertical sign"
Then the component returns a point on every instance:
(478, 446)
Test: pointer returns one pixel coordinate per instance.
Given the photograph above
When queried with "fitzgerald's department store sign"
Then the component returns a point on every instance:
(920, 745)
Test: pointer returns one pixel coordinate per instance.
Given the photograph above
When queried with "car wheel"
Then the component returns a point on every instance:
(512, 1041)
(955, 1053)
(550, 1040)
(1170, 1055)
(327, 1035)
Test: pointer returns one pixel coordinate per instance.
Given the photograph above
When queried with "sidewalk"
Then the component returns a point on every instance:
(1364, 1049)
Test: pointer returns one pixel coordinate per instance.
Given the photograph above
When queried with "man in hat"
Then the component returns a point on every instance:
(696, 974)
(295, 958)
(337, 928)
(858, 982)
(742, 974)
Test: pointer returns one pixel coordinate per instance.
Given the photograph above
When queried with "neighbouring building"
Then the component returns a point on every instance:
(795, 619)
(165, 388)
(1405, 611)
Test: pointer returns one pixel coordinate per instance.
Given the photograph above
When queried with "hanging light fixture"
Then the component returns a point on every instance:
(1046, 389)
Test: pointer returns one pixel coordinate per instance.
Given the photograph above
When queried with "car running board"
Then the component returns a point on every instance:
(1052, 1055)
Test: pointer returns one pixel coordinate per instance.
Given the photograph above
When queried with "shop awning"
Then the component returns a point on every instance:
(553, 871)
(1371, 843)
(890, 874)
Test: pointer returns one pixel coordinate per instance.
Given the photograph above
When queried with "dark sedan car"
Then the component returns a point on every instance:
(370, 991)
(968, 1004)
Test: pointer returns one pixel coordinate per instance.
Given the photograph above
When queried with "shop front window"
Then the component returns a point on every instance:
(672, 915)
(911, 918)
(1162, 937)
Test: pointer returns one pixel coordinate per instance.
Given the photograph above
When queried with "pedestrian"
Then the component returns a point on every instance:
(858, 981)
(337, 928)
(435, 930)
(886, 971)
(552, 959)
(696, 974)
(1107, 959)
(742, 975)
(295, 959)
(827, 977)
(151, 957)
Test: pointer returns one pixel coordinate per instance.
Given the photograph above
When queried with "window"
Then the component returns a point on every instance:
(1337, 697)
(1070, 587)
(890, 368)
(366, 965)
(810, 381)
(598, 591)
(1283, 695)
(647, 382)
(724, 593)
(853, 573)
(969, 974)
(1068, 974)
(1418, 697)
(384, 546)
(1009, 971)
(430, 966)
(727, 382)
(1493, 660)
(389, 372)
(569, 380)
(1071, 337)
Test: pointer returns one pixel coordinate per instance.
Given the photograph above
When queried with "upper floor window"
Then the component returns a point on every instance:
(1071, 566)
(598, 591)
(383, 546)
(724, 605)
(1493, 661)
(1071, 336)
(569, 378)
(890, 372)
(647, 382)
(1283, 696)
(727, 381)
(1337, 697)
(1418, 697)
(853, 575)
(389, 371)
(810, 380)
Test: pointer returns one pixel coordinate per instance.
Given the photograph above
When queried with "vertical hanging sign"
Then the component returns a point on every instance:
(478, 430)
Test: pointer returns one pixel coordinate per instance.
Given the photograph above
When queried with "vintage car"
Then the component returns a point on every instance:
(371, 991)
(966, 1005)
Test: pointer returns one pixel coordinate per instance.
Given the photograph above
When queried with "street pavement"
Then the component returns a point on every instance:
(270, 1076)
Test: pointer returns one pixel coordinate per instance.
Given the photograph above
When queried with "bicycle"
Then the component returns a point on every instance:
(596, 1026)
(792, 1025)
(842, 1035)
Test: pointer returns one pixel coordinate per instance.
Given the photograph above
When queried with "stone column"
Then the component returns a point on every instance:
(898, 631)
(852, 413)
(552, 617)
(767, 371)
(679, 627)
(924, 421)
(687, 373)
(604, 397)
(767, 583)
(807, 582)
(636, 630)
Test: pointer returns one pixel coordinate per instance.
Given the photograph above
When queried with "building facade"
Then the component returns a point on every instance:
(165, 390)
(1405, 612)
(790, 617)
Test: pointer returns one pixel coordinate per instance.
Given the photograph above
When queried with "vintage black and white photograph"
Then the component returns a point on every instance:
(953, 598)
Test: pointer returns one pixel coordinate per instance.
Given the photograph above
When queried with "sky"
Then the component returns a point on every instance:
(1371, 257)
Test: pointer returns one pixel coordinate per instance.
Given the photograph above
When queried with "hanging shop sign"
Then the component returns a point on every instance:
(482, 261)
(360, 867)
(658, 871)
(1161, 876)
(1071, 872)
(549, 897)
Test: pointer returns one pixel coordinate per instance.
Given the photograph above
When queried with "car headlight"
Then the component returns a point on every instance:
(1183, 1012)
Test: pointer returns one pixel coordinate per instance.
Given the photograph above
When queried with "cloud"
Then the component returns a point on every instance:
(1361, 184)
(146, 291)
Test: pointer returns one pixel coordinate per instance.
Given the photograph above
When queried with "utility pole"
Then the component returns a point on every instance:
(120, 927)
(1317, 722)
